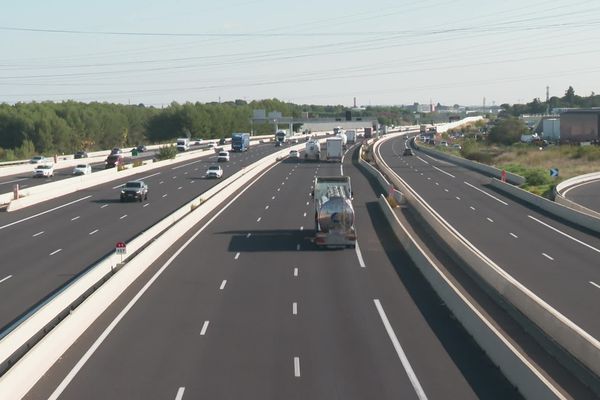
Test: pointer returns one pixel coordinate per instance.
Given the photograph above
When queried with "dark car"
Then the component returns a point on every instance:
(407, 152)
(80, 154)
(141, 148)
(114, 160)
(134, 190)
(115, 150)
(222, 141)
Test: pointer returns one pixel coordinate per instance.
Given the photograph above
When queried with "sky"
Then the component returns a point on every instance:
(383, 52)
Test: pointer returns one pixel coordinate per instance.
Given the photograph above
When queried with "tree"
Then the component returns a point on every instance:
(508, 131)
(570, 96)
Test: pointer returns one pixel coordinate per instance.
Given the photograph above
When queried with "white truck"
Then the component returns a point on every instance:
(183, 144)
(334, 214)
(312, 150)
(351, 136)
(334, 149)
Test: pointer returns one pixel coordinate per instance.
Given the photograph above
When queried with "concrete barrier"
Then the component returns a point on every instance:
(581, 345)
(517, 369)
(561, 189)
(34, 363)
(554, 208)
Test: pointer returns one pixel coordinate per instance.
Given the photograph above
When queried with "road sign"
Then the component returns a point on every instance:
(554, 172)
(120, 248)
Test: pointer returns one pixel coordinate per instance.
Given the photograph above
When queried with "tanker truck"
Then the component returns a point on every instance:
(334, 214)
(312, 150)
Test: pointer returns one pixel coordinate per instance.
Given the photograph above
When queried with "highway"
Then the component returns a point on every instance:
(50, 243)
(586, 194)
(248, 308)
(556, 261)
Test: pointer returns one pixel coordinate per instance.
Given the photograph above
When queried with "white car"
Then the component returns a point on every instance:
(214, 171)
(294, 154)
(223, 156)
(37, 160)
(82, 169)
(43, 171)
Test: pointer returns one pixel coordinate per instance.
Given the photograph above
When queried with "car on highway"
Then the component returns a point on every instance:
(294, 154)
(222, 141)
(197, 141)
(44, 171)
(223, 156)
(80, 154)
(134, 190)
(37, 160)
(408, 152)
(82, 169)
(214, 171)
(141, 148)
(115, 150)
(114, 160)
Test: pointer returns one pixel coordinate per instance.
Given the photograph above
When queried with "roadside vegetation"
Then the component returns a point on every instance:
(166, 152)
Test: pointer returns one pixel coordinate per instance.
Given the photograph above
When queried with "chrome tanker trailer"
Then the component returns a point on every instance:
(334, 214)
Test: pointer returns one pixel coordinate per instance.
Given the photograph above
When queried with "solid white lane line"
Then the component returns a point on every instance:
(237, 255)
(38, 234)
(578, 185)
(104, 206)
(513, 235)
(361, 261)
(13, 181)
(443, 172)
(75, 218)
(486, 193)
(548, 257)
(123, 216)
(425, 161)
(204, 328)
(248, 235)
(294, 308)
(10, 276)
(295, 271)
(258, 219)
(565, 234)
(98, 342)
(489, 219)
(223, 284)
(146, 205)
(94, 231)
(190, 163)
(297, 367)
(403, 359)
(593, 283)
(179, 395)
(55, 251)
(43, 212)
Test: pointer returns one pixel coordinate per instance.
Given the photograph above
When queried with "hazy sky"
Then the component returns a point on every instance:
(308, 51)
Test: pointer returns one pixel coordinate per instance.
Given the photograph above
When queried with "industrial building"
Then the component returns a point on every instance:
(578, 126)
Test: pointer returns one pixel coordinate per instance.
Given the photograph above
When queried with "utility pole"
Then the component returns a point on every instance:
(547, 100)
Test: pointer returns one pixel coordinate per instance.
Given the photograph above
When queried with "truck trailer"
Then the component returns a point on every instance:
(183, 144)
(312, 150)
(334, 149)
(240, 142)
(334, 214)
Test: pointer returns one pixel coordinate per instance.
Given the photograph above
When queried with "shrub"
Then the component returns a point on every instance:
(537, 177)
(166, 152)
